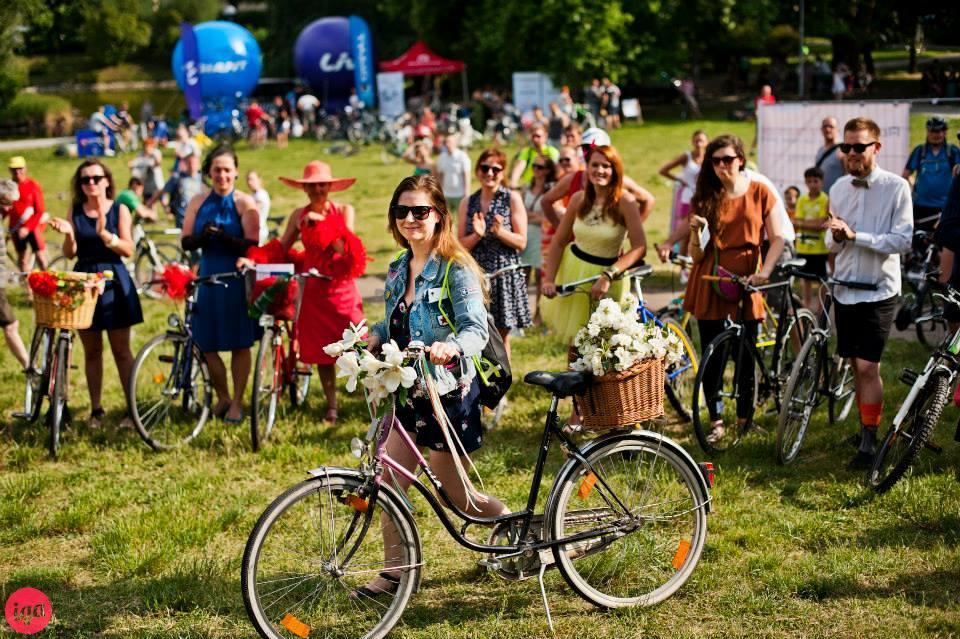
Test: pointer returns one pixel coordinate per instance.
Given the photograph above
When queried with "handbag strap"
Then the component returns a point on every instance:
(486, 370)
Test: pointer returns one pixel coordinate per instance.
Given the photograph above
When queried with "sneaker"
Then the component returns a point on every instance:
(716, 434)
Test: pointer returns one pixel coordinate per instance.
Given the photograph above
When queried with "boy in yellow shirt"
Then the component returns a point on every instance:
(811, 215)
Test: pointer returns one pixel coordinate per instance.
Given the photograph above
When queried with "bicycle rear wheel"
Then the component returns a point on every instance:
(300, 388)
(681, 377)
(170, 391)
(267, 387)
(800, 398)
(842, 392)
(901, 447)
(58, 397)
(313, 547)
(720, 361)
(930, 324)
(640, 509)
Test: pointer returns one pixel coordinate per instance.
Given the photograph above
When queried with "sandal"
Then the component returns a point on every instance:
(96, 418)
(220, 414)
(365, 591)
(232, 420)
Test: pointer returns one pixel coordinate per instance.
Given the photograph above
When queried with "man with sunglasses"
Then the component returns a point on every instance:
(870, 225)
(935, 162)
(522, 171)
(26, 215)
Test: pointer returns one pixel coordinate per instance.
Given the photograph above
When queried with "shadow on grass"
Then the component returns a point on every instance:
(926, 588)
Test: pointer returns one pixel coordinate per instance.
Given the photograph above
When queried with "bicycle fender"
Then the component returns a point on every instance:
(647, 436)
(391, 493)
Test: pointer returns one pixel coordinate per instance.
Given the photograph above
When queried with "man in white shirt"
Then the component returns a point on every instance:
(453, 171)
(871, 224)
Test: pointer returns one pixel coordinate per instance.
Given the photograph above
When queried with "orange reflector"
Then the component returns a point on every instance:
(359, 505)
(681, 555)
(587, 485)
(295, 626)
(158, 378)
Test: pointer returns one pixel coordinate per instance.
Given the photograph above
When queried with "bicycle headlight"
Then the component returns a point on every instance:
(173, 320)
(357, 447)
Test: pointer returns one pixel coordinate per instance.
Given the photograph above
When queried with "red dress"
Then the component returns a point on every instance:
(328, 306)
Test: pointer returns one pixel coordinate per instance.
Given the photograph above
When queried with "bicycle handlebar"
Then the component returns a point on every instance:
(639, 272)
(505, 269)
(829, 281)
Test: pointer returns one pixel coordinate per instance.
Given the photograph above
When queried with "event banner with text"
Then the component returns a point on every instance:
(788, 135)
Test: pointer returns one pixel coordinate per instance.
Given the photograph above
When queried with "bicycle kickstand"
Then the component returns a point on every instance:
(544, 564)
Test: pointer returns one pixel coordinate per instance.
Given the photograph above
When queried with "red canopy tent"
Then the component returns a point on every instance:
(420, 60)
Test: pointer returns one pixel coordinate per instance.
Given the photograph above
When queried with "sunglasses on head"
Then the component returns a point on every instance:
(859, 148)
(488, 168)
(91, 179)
(400, 211)
(726, 160)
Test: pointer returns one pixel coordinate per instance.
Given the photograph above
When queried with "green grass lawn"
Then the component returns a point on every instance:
(130, 543)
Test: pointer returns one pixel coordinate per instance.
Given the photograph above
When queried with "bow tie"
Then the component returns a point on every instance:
(860, 183)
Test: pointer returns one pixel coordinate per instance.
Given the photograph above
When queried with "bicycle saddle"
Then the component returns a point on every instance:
(560, 384)
(795, 263)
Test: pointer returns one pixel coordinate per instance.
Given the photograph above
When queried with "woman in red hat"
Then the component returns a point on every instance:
(330, 246)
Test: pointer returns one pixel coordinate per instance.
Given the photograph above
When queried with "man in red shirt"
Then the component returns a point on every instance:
(257, 123)
(26, 215)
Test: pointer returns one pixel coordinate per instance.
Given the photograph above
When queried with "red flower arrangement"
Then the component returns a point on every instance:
(66, 292)
(42, 283)
(176, 279)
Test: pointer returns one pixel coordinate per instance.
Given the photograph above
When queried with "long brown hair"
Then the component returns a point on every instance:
(78, 196)
(445, 241)
(611, 209)
(710, 194)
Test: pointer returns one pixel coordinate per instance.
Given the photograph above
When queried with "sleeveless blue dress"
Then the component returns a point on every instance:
(220, 321)
(118, 306)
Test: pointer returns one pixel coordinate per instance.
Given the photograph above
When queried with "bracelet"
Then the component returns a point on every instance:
(608, 274)
(114, 241)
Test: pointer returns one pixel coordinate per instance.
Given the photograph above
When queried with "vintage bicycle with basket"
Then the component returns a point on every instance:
(277, 367)
(816, 374)
(170, 387)
(625, 522)
(62, 302)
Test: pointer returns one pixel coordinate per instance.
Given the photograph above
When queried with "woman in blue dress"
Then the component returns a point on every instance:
(223, 223)
(98, 234)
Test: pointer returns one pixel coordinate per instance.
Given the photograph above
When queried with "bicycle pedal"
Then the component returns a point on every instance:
(934, 448)
(490, 563)
(908, 376)
(21, 415)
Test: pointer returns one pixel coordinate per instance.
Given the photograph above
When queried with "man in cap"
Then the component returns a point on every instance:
(935, 162)
(26, 215)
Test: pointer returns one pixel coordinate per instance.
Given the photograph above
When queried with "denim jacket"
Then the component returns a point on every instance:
(465, 308)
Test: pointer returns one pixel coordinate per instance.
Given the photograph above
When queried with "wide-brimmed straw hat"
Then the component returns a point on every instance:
(318, 172)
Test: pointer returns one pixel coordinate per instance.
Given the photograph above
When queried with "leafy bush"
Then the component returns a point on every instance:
(38, 113)
(113, 34)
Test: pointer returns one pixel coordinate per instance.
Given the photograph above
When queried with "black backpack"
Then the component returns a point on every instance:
(492, 364)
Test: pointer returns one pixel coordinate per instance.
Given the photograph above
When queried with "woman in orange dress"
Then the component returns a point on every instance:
(330, 246)
(736, 211)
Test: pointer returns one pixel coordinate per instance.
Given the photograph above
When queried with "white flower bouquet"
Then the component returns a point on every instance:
(614, 340)
(380, 377)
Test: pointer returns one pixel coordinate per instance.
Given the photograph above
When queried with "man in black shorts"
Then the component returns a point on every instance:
(9, 193)
(871, 223)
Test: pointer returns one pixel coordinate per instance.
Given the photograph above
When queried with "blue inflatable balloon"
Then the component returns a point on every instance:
(230, 60)
(322, 58)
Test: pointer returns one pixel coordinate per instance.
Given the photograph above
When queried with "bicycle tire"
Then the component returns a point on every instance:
(893, 459)
(802, 393)
(267, 388)
(60, 263)
(793, 338)
(842, 392)
(58, 397)
(300, 388)
(287, 524)
(145, 271)
(929, 322)
(158, 369)
(680, 378)
(626, 564)
(721, 352)
(38, 372)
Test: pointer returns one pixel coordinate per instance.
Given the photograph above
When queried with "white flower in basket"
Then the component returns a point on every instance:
(614, 340)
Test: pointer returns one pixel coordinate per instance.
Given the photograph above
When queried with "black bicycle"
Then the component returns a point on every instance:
(816, 374)
(170, 387)
(921, 307)
(717, 389)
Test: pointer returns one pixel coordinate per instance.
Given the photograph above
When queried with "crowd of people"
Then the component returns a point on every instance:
(555, 215)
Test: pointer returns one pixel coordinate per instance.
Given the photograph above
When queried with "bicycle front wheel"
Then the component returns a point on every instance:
(170, 391)
(718, 390)
(931, 325)
(799, 399)
(147, 268)
(314, 547)
(267, 387)
(58, 398)
(642, 522)
(901, 447)
(38, 372)
(842, 391)
(680, 378)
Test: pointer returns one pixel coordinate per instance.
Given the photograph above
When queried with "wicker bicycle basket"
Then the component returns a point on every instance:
(48, 313)
(622, 399)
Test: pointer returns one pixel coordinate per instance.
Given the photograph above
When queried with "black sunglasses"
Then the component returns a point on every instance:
(400, 211)
(92, 179)
(539, 166)
(565, 160)
(859, 148)
(487, 168)
(726, 160)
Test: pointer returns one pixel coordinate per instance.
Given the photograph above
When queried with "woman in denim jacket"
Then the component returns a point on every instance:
(420, 223)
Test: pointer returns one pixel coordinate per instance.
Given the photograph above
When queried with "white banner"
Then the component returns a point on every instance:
(788, 135)
(532, 88)
(390, 94)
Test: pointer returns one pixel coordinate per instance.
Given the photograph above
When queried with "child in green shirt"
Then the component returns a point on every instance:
(811, 214)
